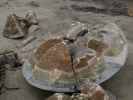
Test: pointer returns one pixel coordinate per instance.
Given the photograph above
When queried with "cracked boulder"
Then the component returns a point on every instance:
(56, 60)
(77, 53)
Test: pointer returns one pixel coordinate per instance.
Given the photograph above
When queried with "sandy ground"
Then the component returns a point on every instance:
(55, 17)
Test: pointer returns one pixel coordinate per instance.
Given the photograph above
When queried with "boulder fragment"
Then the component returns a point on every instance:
(31, 17)
(90, 91)
(57, 60)
(62, 61)
(76, 31)
(93, 91)
(59, 96)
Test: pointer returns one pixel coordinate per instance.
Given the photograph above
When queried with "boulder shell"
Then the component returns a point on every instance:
(102, 56)
(54, 58)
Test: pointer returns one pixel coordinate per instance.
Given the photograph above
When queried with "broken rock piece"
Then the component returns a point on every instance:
(31, 17)
(84, 61)
(79, 96)
(59, 96)
(93, 91)
(16, 27)
(57, 60)
(99, 46)
(84, 58)
(62, 61)
(76, 31)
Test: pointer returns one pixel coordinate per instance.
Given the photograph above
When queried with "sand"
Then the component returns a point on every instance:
(55, 17)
